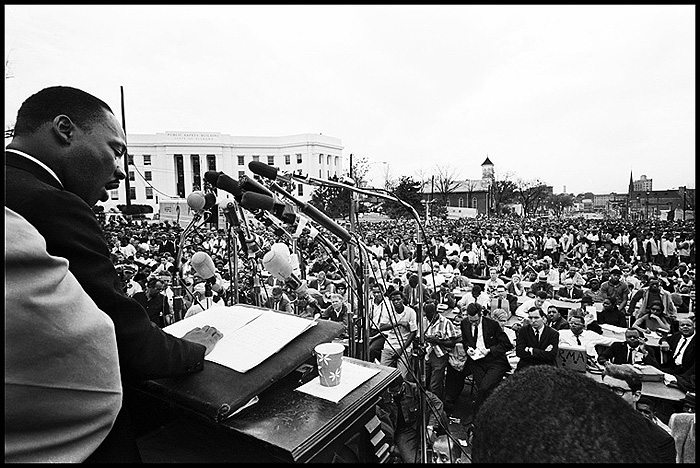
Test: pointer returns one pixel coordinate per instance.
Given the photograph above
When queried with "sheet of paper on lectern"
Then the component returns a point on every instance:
(250, 335)
(352, 376)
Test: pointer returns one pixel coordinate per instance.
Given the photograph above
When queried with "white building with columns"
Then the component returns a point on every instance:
(171, 165)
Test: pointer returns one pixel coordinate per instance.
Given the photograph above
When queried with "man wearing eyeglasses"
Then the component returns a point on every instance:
(626, 382)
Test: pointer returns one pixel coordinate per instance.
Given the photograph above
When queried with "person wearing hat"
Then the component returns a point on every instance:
(616, 288)
(541, 285)
(593, 290)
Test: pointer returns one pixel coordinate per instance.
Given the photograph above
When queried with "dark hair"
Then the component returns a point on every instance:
(657, 304)
(534, 308)
(542, 294)
(152, 282)
(83, 108)
(429, 307)
(513, 426)
(625, 372)
(474, 308)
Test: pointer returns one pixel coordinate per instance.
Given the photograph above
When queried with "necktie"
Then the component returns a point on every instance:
(630, 357)
(680, 347)
(475, 333)
(578, 340)
(537, 336)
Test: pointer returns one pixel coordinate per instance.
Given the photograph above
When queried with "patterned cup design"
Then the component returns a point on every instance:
(329, 357)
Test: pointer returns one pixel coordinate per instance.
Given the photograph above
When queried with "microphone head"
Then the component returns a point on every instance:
(263, 170)
(209, 200)
(203, 265)
(277, 264)
(257, 201)
(347, 181)
(212, 177)
(230, 185)
(249, 184)
(196, 200)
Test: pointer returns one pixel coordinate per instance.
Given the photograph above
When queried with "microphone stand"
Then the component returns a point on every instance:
(418, 354)
(230, 215)
(178, 281)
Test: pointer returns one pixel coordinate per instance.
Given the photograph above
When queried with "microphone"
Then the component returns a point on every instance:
(249, 184)
(256, 201)
(224, 182)
(196, 200)
(209, 200)
(271, 222)
(204, 266)
(269, 172)
(277, 261)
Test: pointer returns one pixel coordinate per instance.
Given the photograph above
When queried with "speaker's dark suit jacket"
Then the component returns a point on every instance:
(618, 353)
(526, 339)
(72, 231)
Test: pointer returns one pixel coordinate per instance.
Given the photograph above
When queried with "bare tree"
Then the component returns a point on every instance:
(530, 193)
(445, 181)
(503, 190)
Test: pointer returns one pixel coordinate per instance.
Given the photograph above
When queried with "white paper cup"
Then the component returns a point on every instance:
(329, 357)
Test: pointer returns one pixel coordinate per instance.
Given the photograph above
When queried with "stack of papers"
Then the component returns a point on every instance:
(353, 375)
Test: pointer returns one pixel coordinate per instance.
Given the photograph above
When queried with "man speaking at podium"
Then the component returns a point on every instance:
(62, 160)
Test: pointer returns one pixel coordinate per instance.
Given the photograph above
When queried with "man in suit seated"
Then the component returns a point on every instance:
(569, 291)
(536, 343)
(486, 345)
(680, 368)
(555, 320)
(630, 351)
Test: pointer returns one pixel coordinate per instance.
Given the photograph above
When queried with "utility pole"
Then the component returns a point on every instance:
(126, 162)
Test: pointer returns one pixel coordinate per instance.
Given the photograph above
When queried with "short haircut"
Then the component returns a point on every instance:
(541, 294)
(476, 289)
(474, 308)
(429, 307)
(499, 314)
(513, 426)
(625, 372)
(538, 309)
(83, 108)
(395, 292)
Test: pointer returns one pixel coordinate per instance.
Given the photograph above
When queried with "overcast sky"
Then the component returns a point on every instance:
(576, 96)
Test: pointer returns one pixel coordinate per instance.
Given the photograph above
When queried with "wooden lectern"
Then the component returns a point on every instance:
(191, 419)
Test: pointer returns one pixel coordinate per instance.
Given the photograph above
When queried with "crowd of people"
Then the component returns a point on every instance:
(641, 274)
(108, 288)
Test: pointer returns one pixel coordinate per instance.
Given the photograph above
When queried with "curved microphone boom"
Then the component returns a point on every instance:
(224, 182)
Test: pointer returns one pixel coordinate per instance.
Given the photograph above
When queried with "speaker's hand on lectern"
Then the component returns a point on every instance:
(206, 335)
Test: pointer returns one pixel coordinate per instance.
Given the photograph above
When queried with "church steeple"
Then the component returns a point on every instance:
(630, 189)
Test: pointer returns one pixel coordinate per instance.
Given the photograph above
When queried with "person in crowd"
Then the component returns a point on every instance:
(131, 287)
(541, 285)
(515, 286)
(502, 300)
(630, 351)
(502, 317)
(279, 301)
(440, 337)
(399, 411)
(338, 311)
(154, 302)
(649, 295)
(447, 450)
(680, 346)
(536, 343)
(615, 287)
(539, 301)
(476, 295)
(625, 382)
(646, 407)
(63, 158)
(578, 335)
(62, 385)
(555, 320)
(493, 282)
(593, 291)
(654, 320)
(486, 345)
(322, 283)
(569, 291)
(401, 331)
(528, 418)
(611, 314)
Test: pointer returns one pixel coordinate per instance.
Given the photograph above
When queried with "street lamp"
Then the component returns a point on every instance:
(646, 206)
